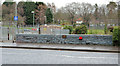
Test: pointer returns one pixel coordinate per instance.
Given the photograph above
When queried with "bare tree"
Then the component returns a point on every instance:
(8, 12)
(112, 14)
(20, 11)
(40, 13)
(72, 10)
(86, 11)
(111, 7)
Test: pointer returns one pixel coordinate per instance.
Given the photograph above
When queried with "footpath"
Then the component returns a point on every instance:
(64, 47)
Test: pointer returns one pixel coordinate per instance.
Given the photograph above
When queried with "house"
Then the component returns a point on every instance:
(79, 21)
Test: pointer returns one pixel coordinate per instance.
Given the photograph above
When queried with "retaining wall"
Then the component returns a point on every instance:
(67, 39)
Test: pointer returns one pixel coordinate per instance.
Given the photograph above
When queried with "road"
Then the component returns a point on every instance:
(30, 56)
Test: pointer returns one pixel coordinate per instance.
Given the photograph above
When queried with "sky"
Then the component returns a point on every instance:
(62, 3)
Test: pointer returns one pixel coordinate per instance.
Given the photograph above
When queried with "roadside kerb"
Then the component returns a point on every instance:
(86, 50)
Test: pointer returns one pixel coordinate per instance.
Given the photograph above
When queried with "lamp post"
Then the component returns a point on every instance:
(33, 17)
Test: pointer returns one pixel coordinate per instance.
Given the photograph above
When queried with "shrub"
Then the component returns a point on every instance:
(116, 36)
(81, 30)
(74, 25)
(105, 29)
(70, 28)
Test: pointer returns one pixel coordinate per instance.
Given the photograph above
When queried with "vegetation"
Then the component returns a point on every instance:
(28, 8)
(81, 30)
(69, 13)
(70, 29)
(49, 15)
(116, 36)
(40, 12)
(95, 31)
(105, 29)
(24, 9)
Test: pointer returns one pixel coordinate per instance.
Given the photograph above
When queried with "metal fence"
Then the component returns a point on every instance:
(49, 29)
(10, 33)
(53, 31)
(7, 33)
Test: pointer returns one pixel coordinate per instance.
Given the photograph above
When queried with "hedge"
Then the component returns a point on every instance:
(116, 36)
(70, 28)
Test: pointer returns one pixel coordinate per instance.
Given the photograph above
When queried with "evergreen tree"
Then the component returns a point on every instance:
(28, 8)
(49, 15)
(96, 12)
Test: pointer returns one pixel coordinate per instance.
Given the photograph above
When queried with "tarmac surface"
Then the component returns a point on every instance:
(39, 56)
(23, 53)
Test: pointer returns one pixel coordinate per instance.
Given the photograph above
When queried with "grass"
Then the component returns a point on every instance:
(95, 31)
(30, 28)
(20, 27)
(116, 26)
(98, 31)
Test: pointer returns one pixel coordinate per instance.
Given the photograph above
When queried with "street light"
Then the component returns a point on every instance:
(33, 17)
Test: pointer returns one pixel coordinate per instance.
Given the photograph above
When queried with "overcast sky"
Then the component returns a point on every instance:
(60, 3)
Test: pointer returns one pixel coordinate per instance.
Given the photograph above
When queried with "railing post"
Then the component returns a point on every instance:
(8, 33)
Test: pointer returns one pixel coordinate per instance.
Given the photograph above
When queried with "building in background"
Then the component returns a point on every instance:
(79, 21)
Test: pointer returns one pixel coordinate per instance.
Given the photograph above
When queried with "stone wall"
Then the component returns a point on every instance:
(70, 39)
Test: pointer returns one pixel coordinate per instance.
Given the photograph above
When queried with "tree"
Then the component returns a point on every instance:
(52, 7)
(86, 11)
(20, 8)
(49, 15)
(111, 7)
(40, 12)
(76, 10)
(8, 12)
(8, 3)
(96, 12)
(20, 12)
(61, 16)
(71, 9)
(53, 10)
(28, 8)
